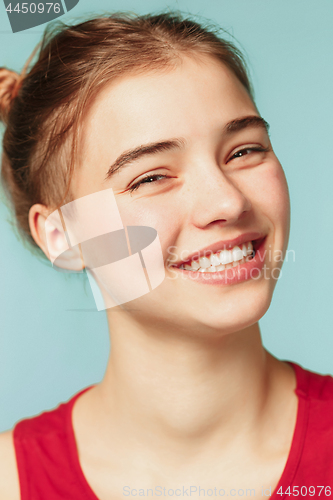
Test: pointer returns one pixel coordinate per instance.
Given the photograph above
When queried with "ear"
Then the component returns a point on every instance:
(47, 231)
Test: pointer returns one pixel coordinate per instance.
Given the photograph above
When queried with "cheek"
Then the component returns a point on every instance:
(276, 197)
(267, 189)
(164, 217)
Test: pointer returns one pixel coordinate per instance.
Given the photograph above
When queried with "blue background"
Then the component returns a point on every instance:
(52, 340)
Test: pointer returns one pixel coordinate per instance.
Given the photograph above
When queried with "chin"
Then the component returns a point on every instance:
(232, 313)
(214, 312)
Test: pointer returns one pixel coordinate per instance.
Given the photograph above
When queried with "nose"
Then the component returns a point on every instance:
(217, 198)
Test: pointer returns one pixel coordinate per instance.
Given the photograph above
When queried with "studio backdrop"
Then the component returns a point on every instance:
(53, 339)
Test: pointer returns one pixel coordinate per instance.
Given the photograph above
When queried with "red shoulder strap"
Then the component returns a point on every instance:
(44, 456)
(313, 385)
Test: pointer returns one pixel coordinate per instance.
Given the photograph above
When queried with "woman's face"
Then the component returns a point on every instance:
(215, 184)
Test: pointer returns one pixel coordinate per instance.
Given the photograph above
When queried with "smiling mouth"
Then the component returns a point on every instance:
(222, 259)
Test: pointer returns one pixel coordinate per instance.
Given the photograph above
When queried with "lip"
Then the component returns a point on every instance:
(220, 245)
(243, 272)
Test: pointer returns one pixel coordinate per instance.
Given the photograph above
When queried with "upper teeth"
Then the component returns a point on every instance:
(220, 260)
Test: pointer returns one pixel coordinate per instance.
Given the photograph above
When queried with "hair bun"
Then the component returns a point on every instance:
(9, 86)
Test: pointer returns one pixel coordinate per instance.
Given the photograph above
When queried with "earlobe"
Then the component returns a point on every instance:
(49, 234)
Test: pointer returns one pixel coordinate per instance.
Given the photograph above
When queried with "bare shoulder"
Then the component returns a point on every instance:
(9, 481)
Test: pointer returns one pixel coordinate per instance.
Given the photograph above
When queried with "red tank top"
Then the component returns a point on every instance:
(49, 467)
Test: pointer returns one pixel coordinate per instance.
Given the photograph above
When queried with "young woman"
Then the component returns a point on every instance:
(160, 110)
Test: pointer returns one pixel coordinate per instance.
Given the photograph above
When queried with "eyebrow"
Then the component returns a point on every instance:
(145, 150)
(153, 148)
(247, 121)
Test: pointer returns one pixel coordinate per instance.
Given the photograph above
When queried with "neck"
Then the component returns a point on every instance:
(185, 389)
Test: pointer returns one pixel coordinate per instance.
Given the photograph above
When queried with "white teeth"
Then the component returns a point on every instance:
(237, 253)
(221, 267)
(195, 265)
(249, 248)
(215, 261)
(204, 262)
(225, 257)
(211, 269)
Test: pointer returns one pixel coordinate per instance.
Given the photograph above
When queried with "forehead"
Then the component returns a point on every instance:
(196, 97)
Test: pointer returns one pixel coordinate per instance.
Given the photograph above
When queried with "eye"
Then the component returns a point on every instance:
(149, 178)
(241, 153)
